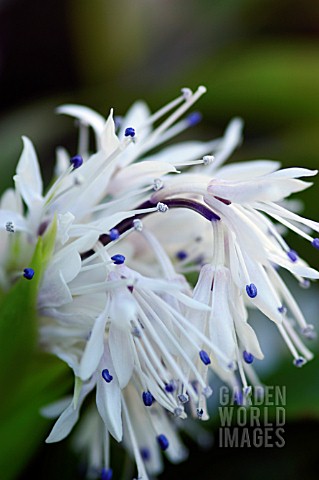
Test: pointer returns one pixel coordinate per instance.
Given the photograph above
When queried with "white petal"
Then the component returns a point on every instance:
(109, 140)
(55, 409)
(121, 348)
(28, 178)
(108, 399)
(94, 347)
(54, 291)
(138, 174)
(246, 170)
(69, 417)
(221, 326)
(85, 115)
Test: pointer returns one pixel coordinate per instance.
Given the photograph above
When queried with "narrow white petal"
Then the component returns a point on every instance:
(109, 140)
(108, 398)
(94, 347)
(85, 115)
(28, 174)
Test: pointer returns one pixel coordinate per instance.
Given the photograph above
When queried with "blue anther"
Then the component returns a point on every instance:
(170, 387)
(204, 357)
(106, 375)
(106, 474)
(114, 234)
(28, 273)
(315, 243)
(118, 259)
(181, 255)
(292, 255)
(282, 309)
(194, 118)
(147, 398)
(299, 362)
(76, 161)
(145, 453)
(129, 132)
(162, 441)
(251, 290)
(248, 357)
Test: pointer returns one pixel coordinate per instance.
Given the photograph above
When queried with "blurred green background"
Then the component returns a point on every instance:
(258, 59)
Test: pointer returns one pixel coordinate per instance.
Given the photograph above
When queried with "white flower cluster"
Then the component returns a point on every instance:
(114, 301)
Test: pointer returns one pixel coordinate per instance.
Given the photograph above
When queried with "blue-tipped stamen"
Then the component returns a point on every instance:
(118, 259)
(183, 398)
(292, 255)
(28, 273)
(282, 309)
(251, 290)
(114, 234)
(145, 454)
(106, 474)
(170, 387)
(299, 362)
(194, 118)
(129, 132)
(76, 161)
(248, 357)
(181, 255)
(162, 441)
(315, 243)
(106, 375)
(147, 399)
(204, 357)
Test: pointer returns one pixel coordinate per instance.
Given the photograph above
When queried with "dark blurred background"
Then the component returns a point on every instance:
(258, 59)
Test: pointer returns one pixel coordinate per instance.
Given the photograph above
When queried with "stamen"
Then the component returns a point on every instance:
(147, 399)
(129, 132)
(251, 290)
(138, 225)
(10, 227)
(199, 412)
(292, 255)
(106, 375)
(28, 273)
(145, 454)
(114, 234)
(282, 310)
(158, 184)
(162, 207)
(118, 259)
(186, 92)
(76, 161)
(208, 159)
(315, 243)
(106, 474)
(170, 387)
(183, 398)
(162, 441)
(204, 357)
(207, 391)
(181, 255)
(309, 332)
(178, 411)
(299, 362)
(248, 357)
(194, 118)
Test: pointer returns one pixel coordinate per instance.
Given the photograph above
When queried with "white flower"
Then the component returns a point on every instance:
(114, 302)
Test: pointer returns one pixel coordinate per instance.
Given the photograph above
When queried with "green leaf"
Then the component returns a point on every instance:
(29, 379)
(22, 428)
(18, 321)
